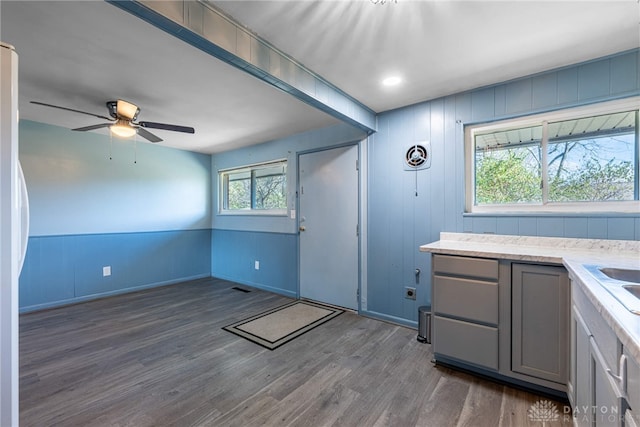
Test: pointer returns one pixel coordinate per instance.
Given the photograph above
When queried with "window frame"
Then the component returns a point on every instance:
(223, 181)
(609, 107)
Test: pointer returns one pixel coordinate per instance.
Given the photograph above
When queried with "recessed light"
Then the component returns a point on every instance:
(392, 81)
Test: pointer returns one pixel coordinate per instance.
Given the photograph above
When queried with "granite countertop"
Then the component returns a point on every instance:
(573, 254)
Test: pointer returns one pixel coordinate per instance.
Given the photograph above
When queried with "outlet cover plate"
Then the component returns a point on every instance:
(409, 292)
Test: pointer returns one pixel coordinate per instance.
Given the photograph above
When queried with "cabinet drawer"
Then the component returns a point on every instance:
(466, 266)
(466, 298)
(466, 341)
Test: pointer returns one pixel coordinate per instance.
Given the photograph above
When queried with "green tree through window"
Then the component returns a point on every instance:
(259, 188)
(585, 159)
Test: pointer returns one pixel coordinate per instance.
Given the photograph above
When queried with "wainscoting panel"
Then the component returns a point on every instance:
(234, 255)
(60, 270)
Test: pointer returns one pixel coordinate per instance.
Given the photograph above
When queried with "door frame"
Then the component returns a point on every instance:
(361, 222)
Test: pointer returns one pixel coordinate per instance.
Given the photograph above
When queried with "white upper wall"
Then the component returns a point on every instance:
(74, 188)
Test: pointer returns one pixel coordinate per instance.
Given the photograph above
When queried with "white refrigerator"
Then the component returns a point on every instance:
(14, 232)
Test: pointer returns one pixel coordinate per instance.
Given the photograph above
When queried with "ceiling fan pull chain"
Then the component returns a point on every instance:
(135, 149)
(110, 146)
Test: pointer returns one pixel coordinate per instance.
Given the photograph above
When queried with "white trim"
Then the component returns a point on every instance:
(253, 166)
(542, 119)
(253, 212)
(575, 207)
(250, 168)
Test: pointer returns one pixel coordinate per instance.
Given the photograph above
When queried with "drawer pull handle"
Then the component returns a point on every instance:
(620, 379)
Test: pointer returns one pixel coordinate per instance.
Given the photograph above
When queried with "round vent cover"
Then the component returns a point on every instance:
(416, 156)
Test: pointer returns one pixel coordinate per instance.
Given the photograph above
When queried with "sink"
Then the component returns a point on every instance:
(634, 289)
(622, 274)
(622, 283)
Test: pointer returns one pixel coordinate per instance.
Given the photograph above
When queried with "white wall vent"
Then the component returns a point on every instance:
(418, 156)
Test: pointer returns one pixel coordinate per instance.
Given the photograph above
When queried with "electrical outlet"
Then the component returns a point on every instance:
(106, 271)
(256, 265)
(409, 293)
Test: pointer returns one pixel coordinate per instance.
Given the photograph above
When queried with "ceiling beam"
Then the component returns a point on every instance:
(210, 30)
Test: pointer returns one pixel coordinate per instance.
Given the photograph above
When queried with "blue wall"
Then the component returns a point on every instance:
(399, 221)
(150, 220)
(234, 254)
(157, 221)
(239, 240)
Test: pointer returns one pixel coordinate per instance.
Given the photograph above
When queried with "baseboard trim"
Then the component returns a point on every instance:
(391, 319)
(84, 298)
(279, 291)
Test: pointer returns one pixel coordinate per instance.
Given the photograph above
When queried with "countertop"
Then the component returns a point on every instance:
(573, 254)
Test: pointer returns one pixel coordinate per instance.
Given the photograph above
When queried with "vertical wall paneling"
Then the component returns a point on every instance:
(553, 226)
(394, 216)
(593, 80)
(544, 90)
(234, 254)
(66, 269)
(240, 240)
(624, 73)
(597, 228)
(452, 207)
(398, 221)
(518, 96)
(507, 225)
(567, 86)
(483, 104)
(621, 228)
(576, 227)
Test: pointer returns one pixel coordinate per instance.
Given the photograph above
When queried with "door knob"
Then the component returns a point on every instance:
(302, 228)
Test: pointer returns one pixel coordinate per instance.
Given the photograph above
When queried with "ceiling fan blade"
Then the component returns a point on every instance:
(92, 127)
(148, 135)
(71, 109)
(165, 126)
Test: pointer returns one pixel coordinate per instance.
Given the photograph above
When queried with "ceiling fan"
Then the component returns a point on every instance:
(123, 121)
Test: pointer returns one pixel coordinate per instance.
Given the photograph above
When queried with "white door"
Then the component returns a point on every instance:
(328, 220)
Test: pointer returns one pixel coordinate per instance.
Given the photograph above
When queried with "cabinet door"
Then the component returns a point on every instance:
(540, 321)
(606, 400)
(581, 371)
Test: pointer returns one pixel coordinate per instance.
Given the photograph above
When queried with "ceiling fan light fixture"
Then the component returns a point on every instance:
(122, 129)
(127, 109)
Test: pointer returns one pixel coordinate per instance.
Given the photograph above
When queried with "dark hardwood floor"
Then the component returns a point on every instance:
(159, 357)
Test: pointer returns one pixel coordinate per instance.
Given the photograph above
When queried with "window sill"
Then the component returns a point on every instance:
(602, 208)
(273, 212)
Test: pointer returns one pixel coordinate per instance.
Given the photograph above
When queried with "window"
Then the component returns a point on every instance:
(256, 189)
(575, 160)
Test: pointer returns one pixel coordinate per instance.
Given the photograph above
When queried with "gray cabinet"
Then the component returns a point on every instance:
(606, 398)
(580, 394)
(632, 414)
(502, 318)
(465, 310)
(540, 321)
(604, 380)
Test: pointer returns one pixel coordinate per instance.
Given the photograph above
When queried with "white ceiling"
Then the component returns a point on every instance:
(80, 54)
(439, 47)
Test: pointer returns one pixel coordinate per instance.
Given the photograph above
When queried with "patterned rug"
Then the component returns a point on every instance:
(280, 325)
